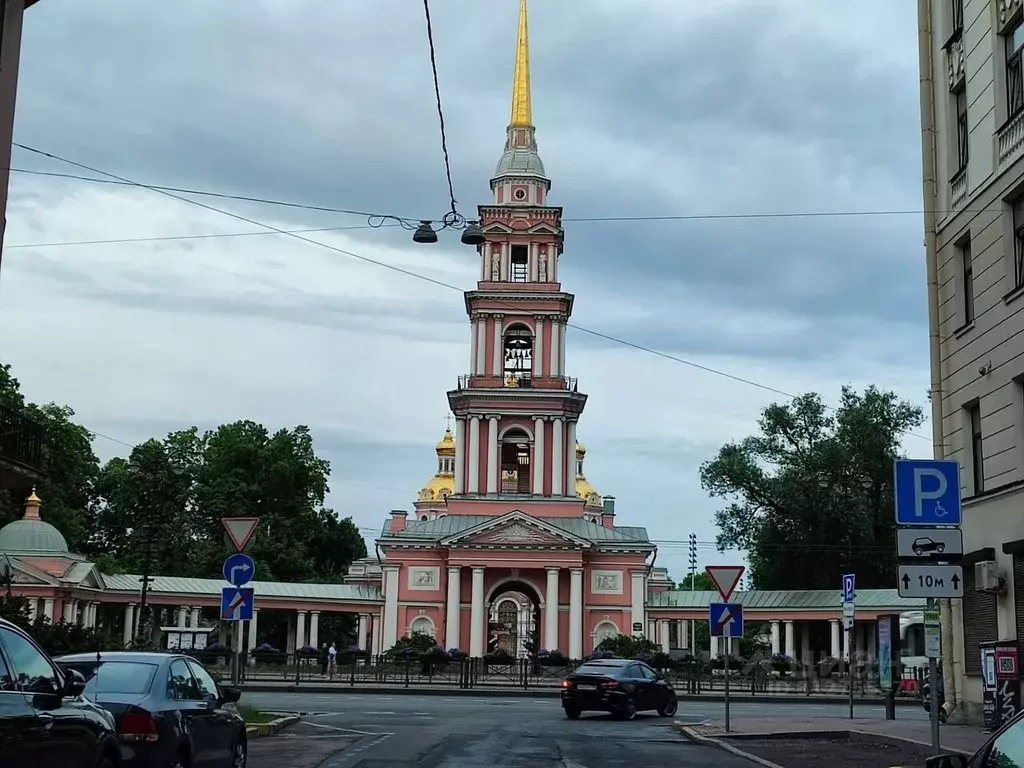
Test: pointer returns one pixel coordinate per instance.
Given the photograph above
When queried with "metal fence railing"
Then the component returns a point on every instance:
(688, 677)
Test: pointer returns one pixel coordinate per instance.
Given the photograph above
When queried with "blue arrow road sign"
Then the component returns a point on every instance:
(726, 619)
(236, 603)
(238, 569)
(927, 492)
(849, 580)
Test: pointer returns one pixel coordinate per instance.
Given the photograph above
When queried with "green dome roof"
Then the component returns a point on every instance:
(32, 536)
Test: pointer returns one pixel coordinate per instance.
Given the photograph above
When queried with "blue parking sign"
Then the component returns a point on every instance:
(928, 492)
(849, 582)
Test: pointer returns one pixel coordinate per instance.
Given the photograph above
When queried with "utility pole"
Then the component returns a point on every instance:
(693, 587)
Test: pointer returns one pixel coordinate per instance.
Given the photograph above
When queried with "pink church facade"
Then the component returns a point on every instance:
(510, 512)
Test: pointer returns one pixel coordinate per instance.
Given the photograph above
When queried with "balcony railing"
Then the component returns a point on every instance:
(21, 439)
(517, 381)
(1009, 140)
(958, 189)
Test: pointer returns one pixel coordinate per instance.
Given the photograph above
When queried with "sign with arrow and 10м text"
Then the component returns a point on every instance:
(935, 581)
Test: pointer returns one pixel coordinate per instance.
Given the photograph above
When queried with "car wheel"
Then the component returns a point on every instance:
(670, 707)
(918, 551)
(239, 755)
(573, 713)
(628, 712)
(941, 548)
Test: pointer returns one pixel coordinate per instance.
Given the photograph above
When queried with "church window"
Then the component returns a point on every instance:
(515, 462)
(579, 467)
(518, 356)
(520, 263)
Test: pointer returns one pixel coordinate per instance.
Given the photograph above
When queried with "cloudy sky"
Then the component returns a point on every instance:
(643, 108)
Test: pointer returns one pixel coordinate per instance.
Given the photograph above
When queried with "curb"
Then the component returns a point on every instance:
(705, 741)
(263, 730)
(546, 693)
(896, 741)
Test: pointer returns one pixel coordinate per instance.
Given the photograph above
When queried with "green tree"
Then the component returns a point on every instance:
(69, 465)
(810, 497)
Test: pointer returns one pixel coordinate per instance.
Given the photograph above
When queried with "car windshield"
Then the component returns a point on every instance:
(114, 676)
(597, 669)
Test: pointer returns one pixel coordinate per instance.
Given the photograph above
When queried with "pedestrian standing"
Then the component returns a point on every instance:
(324, 660)
(333, 659)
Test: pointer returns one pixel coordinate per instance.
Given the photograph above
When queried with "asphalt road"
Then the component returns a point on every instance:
(369, 731)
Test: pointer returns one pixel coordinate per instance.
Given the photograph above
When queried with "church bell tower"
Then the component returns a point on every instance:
(516, 410)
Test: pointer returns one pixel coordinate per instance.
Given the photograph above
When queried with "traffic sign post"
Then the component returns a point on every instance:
(726, 621)
(240, 529)
(849, 588)
(929, 548)
(236, 603)
(238, 569)
(725, 578)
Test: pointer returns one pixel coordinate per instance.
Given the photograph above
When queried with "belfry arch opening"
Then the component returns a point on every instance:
(514, 620)
(518, 355)
(515, 461)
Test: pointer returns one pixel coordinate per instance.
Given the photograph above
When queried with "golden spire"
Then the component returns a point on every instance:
(522, 106)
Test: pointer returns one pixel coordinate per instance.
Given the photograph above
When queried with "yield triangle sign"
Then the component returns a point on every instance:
(240, 529)
(725, 578)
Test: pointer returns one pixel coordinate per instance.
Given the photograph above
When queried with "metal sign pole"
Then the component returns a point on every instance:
(849, 663)
(728, 654)
(933, 693)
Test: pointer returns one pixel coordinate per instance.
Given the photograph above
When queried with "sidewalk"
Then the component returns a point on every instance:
(546, 691)
(953, 738)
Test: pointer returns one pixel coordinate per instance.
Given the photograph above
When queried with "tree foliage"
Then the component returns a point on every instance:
(810, 497)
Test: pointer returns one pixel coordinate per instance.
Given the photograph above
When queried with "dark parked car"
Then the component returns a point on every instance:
(44, 720)
(168, 709)
(620, 686)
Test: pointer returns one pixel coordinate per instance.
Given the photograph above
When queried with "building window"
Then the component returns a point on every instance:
(963, 144)
(957, 17)
(1018, 243)
(977, 453)
(520, 263)
(967, 261)
(1014, 75)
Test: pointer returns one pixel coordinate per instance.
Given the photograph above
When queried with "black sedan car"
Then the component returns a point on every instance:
(622, 687)
(44, 720)
(168, 709)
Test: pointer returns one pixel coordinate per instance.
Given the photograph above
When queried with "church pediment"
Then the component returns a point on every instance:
(516, 529)
(23, 573)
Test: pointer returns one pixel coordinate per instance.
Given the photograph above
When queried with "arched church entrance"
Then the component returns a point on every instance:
(514, 620)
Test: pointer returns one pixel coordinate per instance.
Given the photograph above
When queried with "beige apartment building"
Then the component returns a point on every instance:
(972, 97)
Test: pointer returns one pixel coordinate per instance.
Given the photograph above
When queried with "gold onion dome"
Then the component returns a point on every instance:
(437, 488)
(446, 445)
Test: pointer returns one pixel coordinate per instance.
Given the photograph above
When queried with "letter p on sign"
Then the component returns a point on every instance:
(920, 494)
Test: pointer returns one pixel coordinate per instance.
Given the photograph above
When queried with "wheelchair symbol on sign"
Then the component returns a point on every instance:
(940, 511)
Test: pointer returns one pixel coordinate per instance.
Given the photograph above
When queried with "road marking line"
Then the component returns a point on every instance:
(347, 730)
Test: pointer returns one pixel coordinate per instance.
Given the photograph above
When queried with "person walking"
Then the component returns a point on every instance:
(324, 660)
(332, 654)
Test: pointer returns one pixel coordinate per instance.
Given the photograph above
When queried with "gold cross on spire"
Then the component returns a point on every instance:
(522, 104)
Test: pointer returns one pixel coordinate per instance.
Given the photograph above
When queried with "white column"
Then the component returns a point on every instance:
(361, 638)
(68, 612)
(477, 617)
(683, 633)
(561, 349)
(195, 617)
(790, 639)
(716, 647)
(485, 261)
(474, 344)
(253, 630)
(183, 617)
(638, 588)
(390, 635)
(480, 364)
(129, 619)
(94, 614)
(314, 629)
(460, 455)
(836, 651)
(504, 261)
(300, 630)
(492, 455)
(375, 623)
(576, 613)
(553, 352)
(663, 635)
(557, 460)
(453, 618)
(497, 352)
(534, 260)
(48, 608)
(551, 611)
(473, 484)
(553, 265)
(570, 458)
(538, 347)
(538, 456)
(776, 649)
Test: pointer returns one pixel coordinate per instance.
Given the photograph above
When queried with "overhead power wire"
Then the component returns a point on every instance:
(426, 278)
(452, 218)
(410, 222)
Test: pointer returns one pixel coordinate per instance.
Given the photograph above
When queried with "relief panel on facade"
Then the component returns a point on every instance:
(425, 578)
(606, 582)
(516, 533)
